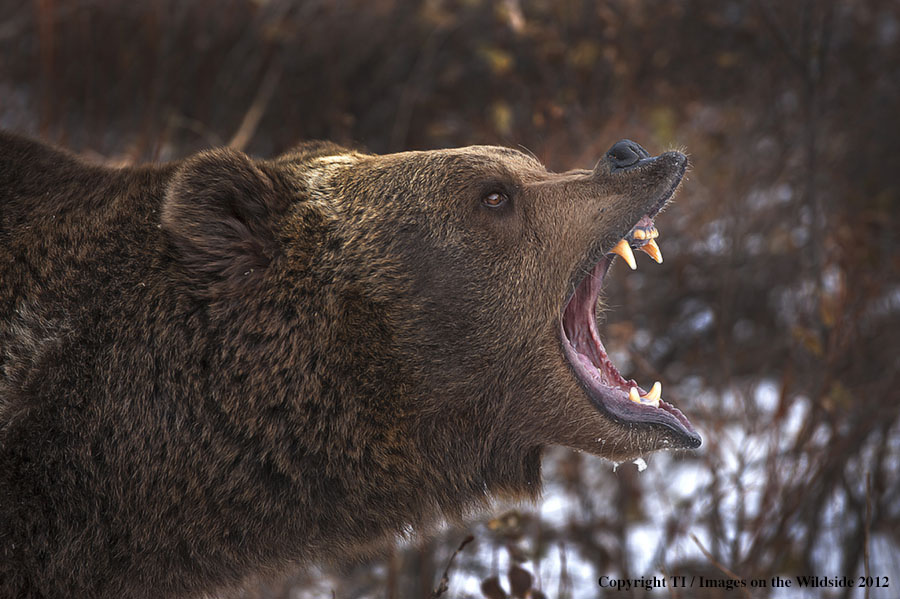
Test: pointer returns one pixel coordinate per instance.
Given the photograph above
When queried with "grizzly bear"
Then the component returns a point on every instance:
(219, 367)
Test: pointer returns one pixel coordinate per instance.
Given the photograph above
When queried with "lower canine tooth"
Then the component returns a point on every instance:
(652, 250)
(623, 249)
(654, 394)
(634, 396)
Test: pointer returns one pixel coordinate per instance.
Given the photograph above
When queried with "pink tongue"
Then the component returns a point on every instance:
(581, 327)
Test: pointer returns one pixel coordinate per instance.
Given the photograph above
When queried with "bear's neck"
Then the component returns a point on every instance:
(315, 389)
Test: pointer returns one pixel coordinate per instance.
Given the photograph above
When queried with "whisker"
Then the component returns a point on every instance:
(532, 154)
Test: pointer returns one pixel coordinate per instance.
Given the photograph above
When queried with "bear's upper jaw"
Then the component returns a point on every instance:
(622, 400)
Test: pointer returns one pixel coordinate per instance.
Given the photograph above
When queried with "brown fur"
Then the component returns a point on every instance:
(218, 367)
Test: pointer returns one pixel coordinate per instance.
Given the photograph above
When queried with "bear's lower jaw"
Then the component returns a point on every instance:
(623, 401)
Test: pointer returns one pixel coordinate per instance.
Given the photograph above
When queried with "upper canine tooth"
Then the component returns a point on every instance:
(654, 394)
(634, 396)
(623, 249)
(653, 251)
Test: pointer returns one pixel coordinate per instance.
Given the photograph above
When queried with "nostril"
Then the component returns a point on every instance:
(625, 153)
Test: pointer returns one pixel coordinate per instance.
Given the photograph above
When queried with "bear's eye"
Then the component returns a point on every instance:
(494, 199)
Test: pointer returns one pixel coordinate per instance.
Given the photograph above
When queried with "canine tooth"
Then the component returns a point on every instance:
(640, 234)
(652, 250)
(654, 394)
(634, 396)
(653, 233)
(623, 249)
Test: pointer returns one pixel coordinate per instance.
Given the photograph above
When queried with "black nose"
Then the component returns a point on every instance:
(625, 153)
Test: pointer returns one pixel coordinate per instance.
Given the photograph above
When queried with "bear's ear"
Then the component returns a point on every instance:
(217, 216)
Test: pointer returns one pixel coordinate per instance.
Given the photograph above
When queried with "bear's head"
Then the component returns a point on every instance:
(455, 290)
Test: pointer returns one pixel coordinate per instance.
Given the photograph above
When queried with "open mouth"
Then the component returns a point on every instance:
(623, 400)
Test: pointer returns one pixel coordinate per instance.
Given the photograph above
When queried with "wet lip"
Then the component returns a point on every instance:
(624, 401)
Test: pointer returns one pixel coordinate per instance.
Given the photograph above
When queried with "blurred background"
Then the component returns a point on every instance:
(774, 320)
